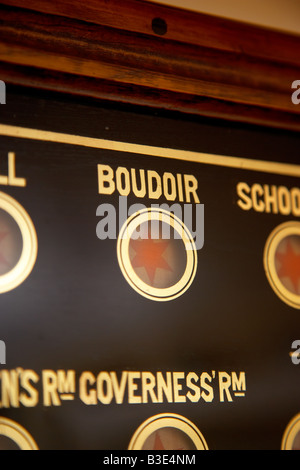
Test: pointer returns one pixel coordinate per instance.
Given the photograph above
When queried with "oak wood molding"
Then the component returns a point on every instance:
(183, 26)
(108, 50)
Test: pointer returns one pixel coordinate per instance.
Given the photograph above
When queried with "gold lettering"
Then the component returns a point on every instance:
(10, 388)
(66, 381)
(238, 383)
(164, 387)
(104, 388)
(31, 398)
(191, 186)
(191, 378)
(119, 389)
(295, 197)
(89, 397)
(148, 384)
(11, 179)
(106, 184)
(271, 199)
(138, 192)
(180, 188)
(132, 387)
(244, 202)
(284, 200)
(125, 181)
(169, 195)
(124, 190)
(178, 387)
(224, 384)
(256, 191)
(50, 386)
(209, 396)
(154, 176)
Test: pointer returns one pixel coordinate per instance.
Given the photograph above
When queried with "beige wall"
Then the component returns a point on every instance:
(277, 14)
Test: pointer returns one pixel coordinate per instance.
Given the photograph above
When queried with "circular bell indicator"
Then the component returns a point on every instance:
(167, 431)
(291, 436)
(18, 244)
(282, 262)
(157, 254)
(14, 437)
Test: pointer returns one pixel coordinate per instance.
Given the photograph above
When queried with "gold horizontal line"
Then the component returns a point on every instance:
(67, 396)
(239, 394)
(286, 169)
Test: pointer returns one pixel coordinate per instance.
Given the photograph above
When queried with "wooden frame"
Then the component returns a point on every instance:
(146, 54)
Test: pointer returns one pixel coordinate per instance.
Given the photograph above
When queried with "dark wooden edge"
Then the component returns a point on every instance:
(109, 50)
(109, 91)
(183, 26)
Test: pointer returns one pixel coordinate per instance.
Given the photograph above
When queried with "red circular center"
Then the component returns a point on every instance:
(287, 263)
(157, 254)
(168, 439)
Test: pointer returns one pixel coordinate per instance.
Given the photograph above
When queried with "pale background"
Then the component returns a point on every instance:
(276, 14)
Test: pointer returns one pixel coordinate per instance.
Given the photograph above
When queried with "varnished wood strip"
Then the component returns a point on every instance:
(102, 44)
(183, 26)
(88, 59)
(92, 68)
(148, 97)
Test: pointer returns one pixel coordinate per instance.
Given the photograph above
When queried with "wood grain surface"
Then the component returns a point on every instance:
(110, 50)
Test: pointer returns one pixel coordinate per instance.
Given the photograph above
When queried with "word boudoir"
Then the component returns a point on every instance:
(187, 210)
